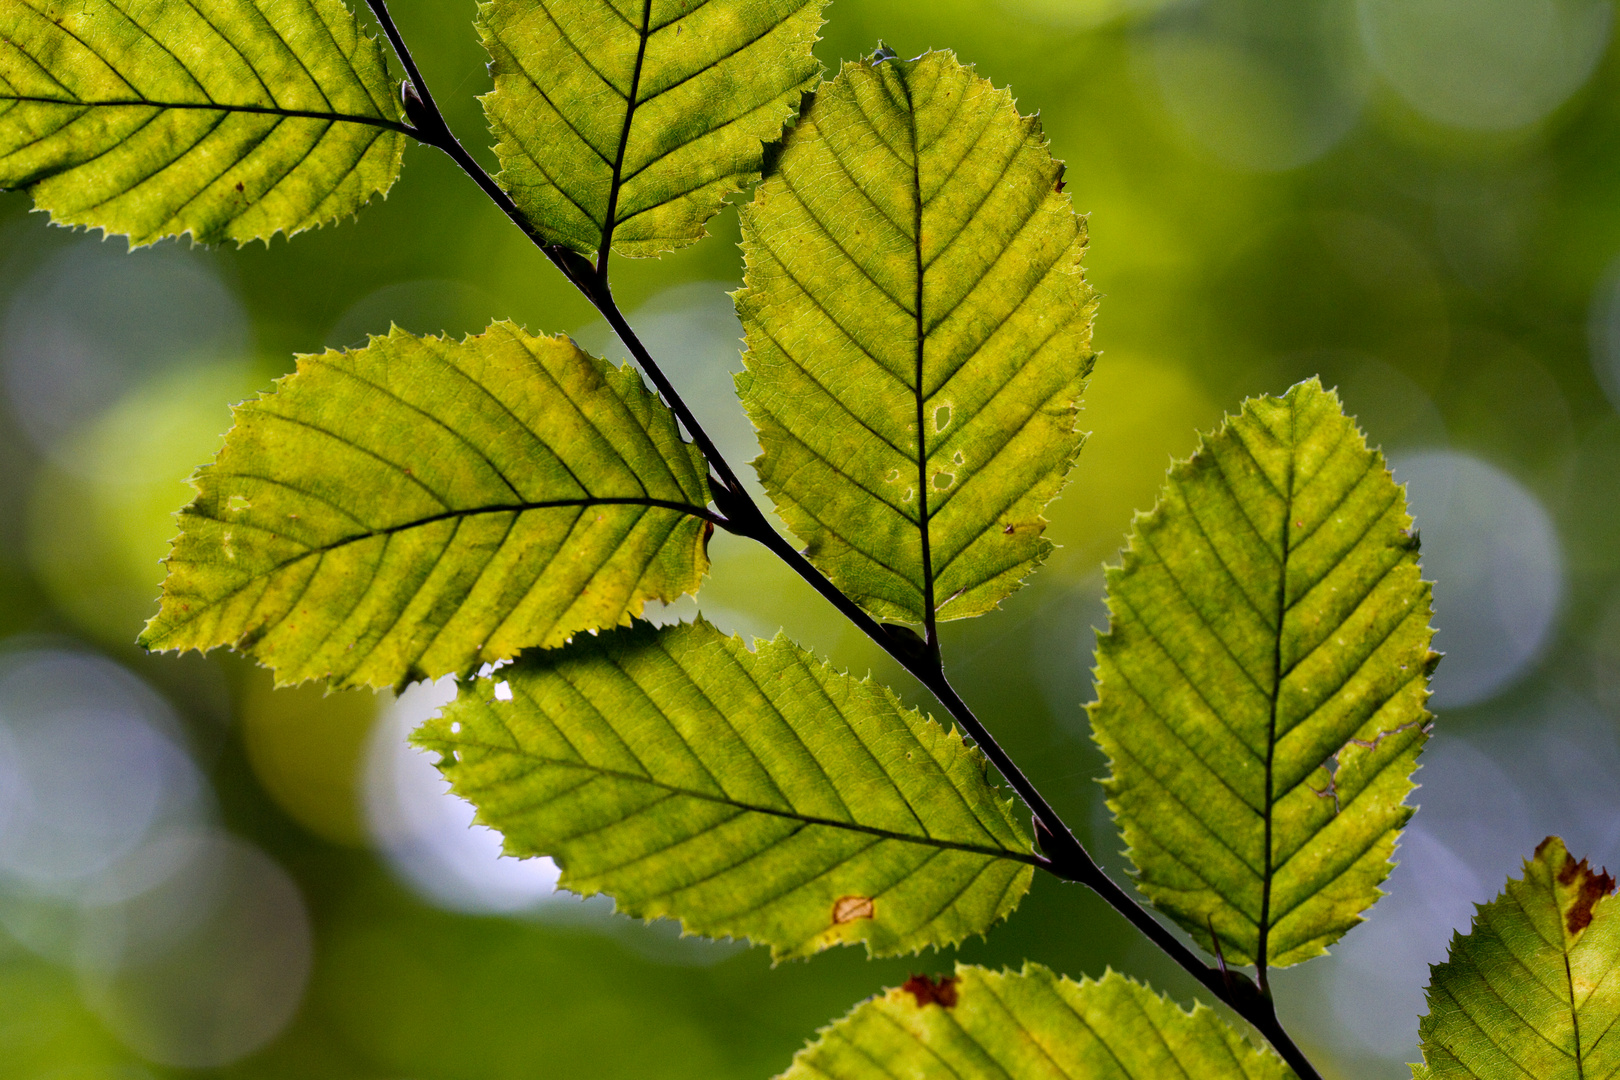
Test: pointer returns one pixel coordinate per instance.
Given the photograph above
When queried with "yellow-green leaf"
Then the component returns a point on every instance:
(422, 506)
(628, 122)
(1533, 990)
(1261, 686)
(756, 794)
(919, 334)
(1034, 1025)
(224, 119)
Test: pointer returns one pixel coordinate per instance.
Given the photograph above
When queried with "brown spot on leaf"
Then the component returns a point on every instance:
(850, 908)
(239, 186)
(1589, 889)
(929, 992)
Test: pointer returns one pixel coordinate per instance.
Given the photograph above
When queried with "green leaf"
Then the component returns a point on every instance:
(749, 794)
(1261, 686)
(626, 123)
(984, 1025)
(421, 506)
(919, 334)
(225, 119)
(1533, 990)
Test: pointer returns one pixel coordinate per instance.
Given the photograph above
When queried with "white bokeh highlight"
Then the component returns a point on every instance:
(1489, 792)
(192, 946)
(206, 966)
(427, 834)
(1494, 554)
(90, 764)
(93, 321)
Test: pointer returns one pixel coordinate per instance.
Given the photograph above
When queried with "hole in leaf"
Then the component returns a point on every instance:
(942, 418)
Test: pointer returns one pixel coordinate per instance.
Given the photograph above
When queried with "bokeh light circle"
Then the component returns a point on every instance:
(94, 321)
(1377, 984)
(1488, 65)
(206, 966)
(1495, 556)
(1263, 87)
(427, 834)
(1603, 333)
(91, 765)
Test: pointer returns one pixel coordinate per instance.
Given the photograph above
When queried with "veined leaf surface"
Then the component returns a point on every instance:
(1534, 988)
(224, 119)
(628, 122)
(985, 1025)
(749, 794)
(919, 334)
(1261, 686)
(421, 506)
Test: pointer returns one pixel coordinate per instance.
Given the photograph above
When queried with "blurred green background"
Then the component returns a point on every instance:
(1415, 198)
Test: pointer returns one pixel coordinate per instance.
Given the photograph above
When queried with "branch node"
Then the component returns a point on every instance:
(416, 111)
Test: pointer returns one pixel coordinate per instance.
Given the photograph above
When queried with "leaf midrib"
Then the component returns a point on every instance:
(722, 800)
(923, 521)
(325, 549)
(1268, 875)
(616, 182)
(215, 106)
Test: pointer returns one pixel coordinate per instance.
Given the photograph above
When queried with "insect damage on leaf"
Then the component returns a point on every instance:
(1262, 684)
(1030, 1025)
(850, 908)
(928, 991)
(1533, 988)
(919, 336)
(749, 792)
(1587, 888)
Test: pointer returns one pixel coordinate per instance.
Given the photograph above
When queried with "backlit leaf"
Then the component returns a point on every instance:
(421, 506)
(1533, 990)
(1034, 1025)
(629, 121)
(224, 119)
(1261, 686)
(919, 333)
(749, 794)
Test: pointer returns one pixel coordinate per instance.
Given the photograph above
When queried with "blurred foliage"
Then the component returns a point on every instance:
(1330, 211)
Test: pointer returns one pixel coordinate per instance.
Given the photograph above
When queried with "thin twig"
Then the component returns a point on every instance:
(430, 127)
(1063, 854)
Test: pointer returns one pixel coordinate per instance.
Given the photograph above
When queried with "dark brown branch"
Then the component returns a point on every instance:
(430, 127)
(1063, 854)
